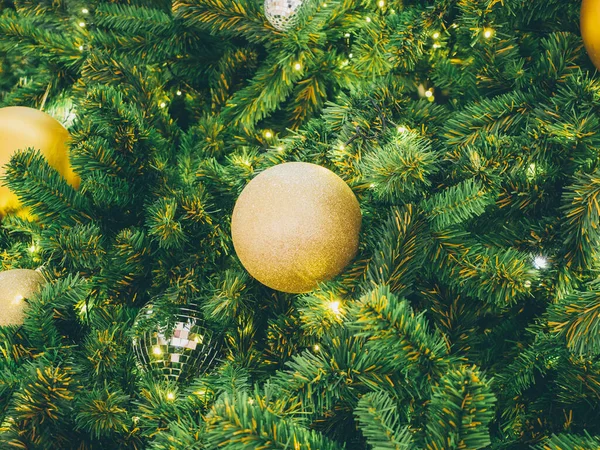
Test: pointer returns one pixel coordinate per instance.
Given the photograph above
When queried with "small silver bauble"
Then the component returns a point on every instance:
(283, 14)
(177, 347)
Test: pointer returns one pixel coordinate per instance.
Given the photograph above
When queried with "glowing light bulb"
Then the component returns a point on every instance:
(268, 134)
(350, 55)
(324, 5)
(317, 347)
(368, 19)
(156, 350)
(428, 93)
(297, 66)
(81, 48)
(436, 35)
(32, 248)
(488, 33)
(381, 3)
(170, 396)
(436, 45)
(335, 307)
(85, 10)
(342, 147)
(279, 149)
(178, 92)
(527, 284)
(540, 262)
(347, 35)
(372, 185)
(401, 129)
(82, 24)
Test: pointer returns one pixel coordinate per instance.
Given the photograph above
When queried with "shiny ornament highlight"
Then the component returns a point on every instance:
(283, 14)
(22, 128)
(16, 286)
(177, 346)
(296, 225)
(590, 29)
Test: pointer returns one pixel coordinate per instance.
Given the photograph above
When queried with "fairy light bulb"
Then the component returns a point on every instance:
(381, 3)
(298, 66)
(488, 33)
(81, 48)
(268, 134)
(368, 19)
(436, 35)
(317, 347)
(170, 396)
(540, 262)
(428, 93)
(335, 308)
(347, 35)
(401, 129)
(163, 104)
(156, 350)
(178, 92)
(82, 24)
(85, 10)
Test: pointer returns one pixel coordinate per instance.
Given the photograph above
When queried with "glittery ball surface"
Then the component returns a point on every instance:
(282, 14)
(16, 286)
(296, 225)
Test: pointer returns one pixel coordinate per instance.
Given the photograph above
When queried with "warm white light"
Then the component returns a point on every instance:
(178, 92)
(342, 147)
(368, 19)
(350, 55)
(268, 134)
(347, 35)
(488, 33)
(297, 66)
(163, 104)
(279, 149)
(85, 10)
(436, 35)
(335, 307)
(156, 350)
(324, 5)
(436, 45)
(81, 48)
(345, 63)
(317, 347)
(401, 129)
(428, 94)
(381, 3)
(170, 396)
(528, 284)
(32, 249)
(82, 24)
(372, 185)
(540, 262)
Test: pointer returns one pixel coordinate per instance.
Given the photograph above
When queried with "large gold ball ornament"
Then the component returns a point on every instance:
(16, 286)
(590, 29)
(22, 128)
(296, 225)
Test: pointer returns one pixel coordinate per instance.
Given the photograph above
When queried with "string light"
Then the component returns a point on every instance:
(335, 307)
(347, 35)
(85, 10)
(163, 104)
(436, 45)
(488, 33)
(32, 248)
(280, 149)
(170, 396)
(428, 93)
(268, 134)
(401, 129)
(178, 92)
(156, 350)
(298, 66)
(345, 63)
(381, 3)
(436, 35)
(350, 55)
(368, 19)
(527, 284)
(540, 262)
(82, 24)
(324, 5)
(372, 185)
(81, 48)
(342, 147)
(316, 347)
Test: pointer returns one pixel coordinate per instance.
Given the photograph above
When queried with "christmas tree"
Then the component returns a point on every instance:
(469, 318)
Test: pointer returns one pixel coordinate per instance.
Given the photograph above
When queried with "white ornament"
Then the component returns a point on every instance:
(282, 14)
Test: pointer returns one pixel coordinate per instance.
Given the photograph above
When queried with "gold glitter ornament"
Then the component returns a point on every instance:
(22, 128)
(283, 14)
(296, 225)
(590, 29)
(15, 286)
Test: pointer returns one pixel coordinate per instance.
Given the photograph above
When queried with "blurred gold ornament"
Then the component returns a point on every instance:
(296, 225)
(22, 128)
(15, 286)
(590, 29)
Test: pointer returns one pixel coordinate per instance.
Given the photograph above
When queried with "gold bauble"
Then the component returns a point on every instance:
(296, 225)
(15, 286)
(590, 29)
(22, 128)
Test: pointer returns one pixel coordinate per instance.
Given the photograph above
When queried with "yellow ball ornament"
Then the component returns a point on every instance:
(590, 29)
(22, 128)
(15, 286)
(296, 225)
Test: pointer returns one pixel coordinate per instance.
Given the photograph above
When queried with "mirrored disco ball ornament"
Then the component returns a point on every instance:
(283, 14)
(176, 347)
